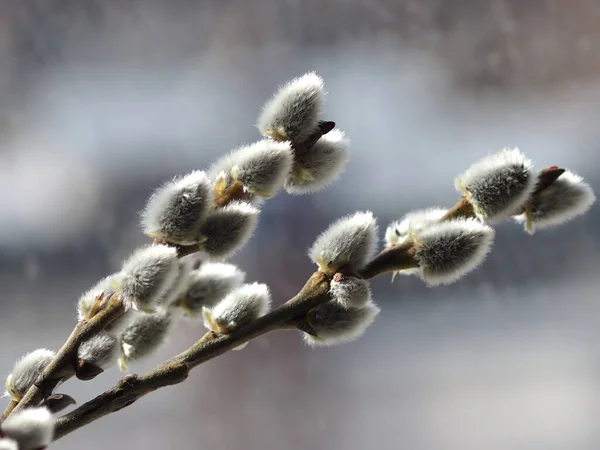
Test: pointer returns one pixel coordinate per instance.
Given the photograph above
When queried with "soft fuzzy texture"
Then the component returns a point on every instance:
(318, 166)
(98, 296)
(228, 229)
(568, 197)
(350, 292)
(176, 210)
(144, 335)
(180, 285)
(348, 244)
(333, 324)
(209, 285)
(148, 274)
(8, 444)
(498, 185)
(399, 231)
(26, 370)
(261, 167)
(32, 428)
(293, 112)
(449, 250)
(100, 350)
(238, 308)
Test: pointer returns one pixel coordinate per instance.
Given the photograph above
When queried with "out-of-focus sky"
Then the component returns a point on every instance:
(102, 100)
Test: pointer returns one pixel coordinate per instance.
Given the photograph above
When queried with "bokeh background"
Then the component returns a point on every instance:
(102, 100)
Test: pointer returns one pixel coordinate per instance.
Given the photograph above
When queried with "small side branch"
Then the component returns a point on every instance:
(174, 371)
(63, 363)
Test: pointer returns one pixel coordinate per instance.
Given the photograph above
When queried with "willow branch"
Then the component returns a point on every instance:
(176, 370)
(63, 364)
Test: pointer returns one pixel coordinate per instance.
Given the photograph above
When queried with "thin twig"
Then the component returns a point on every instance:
(402, 257)
(63, 363)
(462, 209)
(175, 370)
(391, 259)
(9, 409)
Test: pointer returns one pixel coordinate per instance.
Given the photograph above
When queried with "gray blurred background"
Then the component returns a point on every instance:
(102, 100)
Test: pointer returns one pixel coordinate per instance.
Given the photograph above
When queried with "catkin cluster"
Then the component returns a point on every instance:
(200, 219)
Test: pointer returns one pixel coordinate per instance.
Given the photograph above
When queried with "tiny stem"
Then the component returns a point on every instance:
(391, 259)
(9, 409)
(462, 209)
(402, 257)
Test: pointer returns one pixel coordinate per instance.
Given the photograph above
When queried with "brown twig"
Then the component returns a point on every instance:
(175, 371)
(462, 208)
(9, 409)
(63, 363)
(391, 259)
(402, 257)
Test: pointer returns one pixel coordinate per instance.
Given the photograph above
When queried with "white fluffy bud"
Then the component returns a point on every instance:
(348, 244)
(97, 297)
(399, 231)
(228, 228)
(318, 166)
(568, 197)
(210, 284)
(148, 274)
(144, 334)
(498, 185)
(176, 210)
(449, 250)
(101, 350)
(238, 308)
(293, 112)
(180, 285)
(261, 167)
(350, 292)
(8, 444)
(333, 324)
(32, 428)
(26, 370)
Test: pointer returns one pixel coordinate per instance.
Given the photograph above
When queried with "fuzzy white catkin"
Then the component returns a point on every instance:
(101, 350)
(293, 112)
(318, 166)
(26, 370)
(32, 428)
(96, 298)
(449, 250)
(568, 197)
(261, 167)
(228, 229)
(347, 244)
(8, 444)
(176, 210)
(350, 292)
(180, 285)
(101, 292)
(145, 334)
(238, 308)
(399, 231)
(147, 274)
(210, 284)
(498, 185)
(333, 324)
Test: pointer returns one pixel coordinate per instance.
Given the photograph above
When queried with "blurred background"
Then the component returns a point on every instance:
(102, 100)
